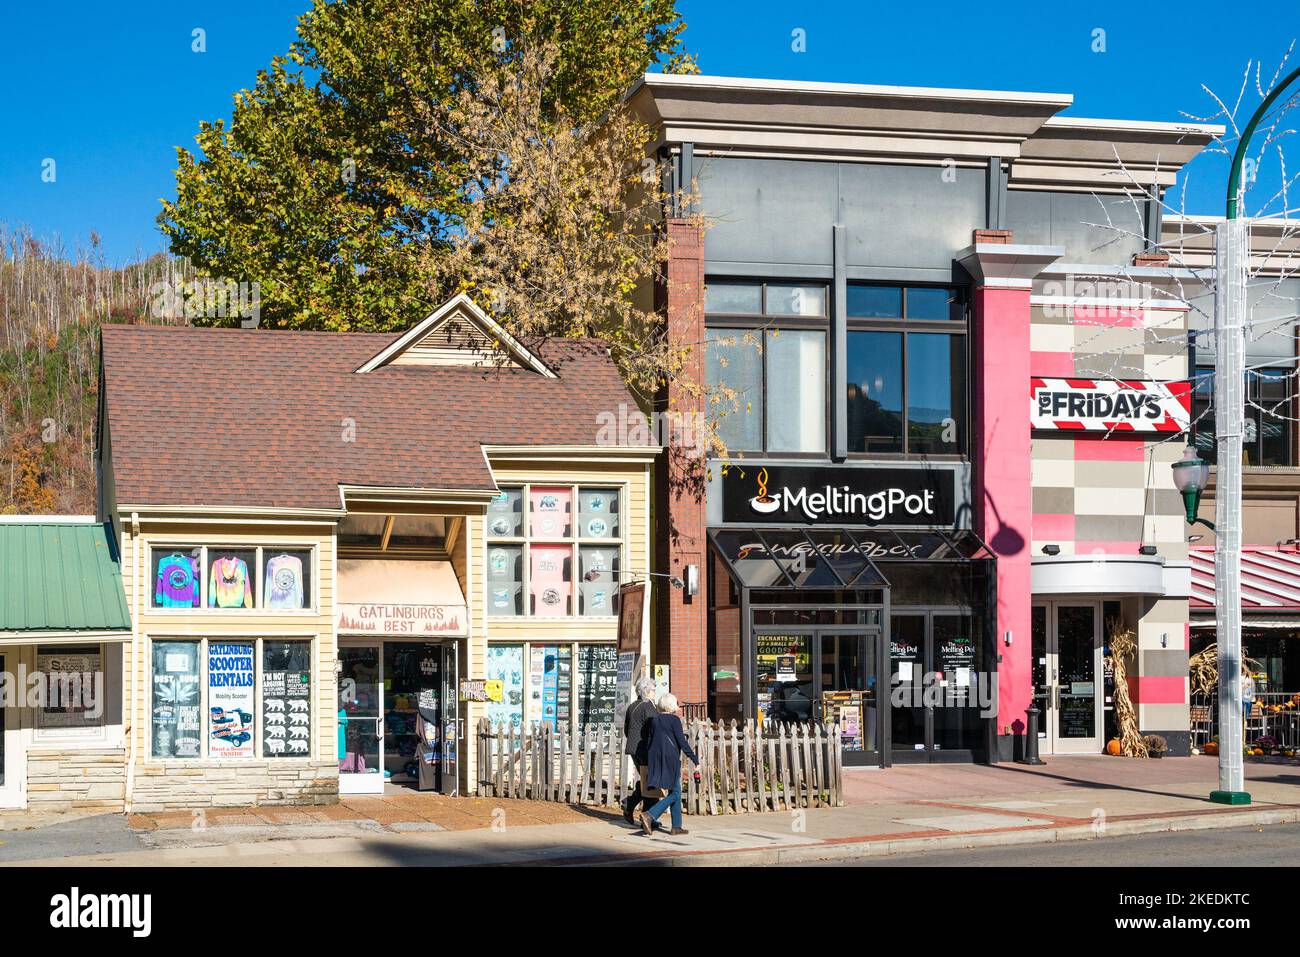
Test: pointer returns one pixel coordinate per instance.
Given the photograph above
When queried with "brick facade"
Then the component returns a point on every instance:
(681, 633)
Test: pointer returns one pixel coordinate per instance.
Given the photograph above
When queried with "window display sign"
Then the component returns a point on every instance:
(845, 709)
(286, 699)
(73, 676)
(1100, 405)
(505, 664)
(597, 684)
(175, 700)
(826, 495)
(231, 676)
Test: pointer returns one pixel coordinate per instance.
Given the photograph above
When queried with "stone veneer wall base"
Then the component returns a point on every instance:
(76, 779)
(177, 785)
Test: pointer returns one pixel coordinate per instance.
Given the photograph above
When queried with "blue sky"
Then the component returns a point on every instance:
(107, 90)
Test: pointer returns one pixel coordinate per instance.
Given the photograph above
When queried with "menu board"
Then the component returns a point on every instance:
(597, 684)
(286, 713)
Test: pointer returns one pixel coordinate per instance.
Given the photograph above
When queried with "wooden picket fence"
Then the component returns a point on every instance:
(742, 768)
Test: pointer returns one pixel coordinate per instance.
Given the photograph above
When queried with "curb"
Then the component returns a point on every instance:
(856, 848)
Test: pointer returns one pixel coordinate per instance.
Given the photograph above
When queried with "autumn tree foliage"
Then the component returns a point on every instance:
(340, 185)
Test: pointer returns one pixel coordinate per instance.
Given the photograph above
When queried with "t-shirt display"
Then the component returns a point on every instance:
(284, 582)
(597, 684)
(228, 583)
(177, 584)
(286, 699)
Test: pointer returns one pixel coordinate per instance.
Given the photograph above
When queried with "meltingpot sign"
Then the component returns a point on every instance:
(821, 495)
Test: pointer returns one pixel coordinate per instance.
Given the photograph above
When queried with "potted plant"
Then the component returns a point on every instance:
(1266, 744)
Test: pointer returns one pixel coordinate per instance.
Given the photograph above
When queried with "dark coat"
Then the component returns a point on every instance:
(667, 744)
(636, 730)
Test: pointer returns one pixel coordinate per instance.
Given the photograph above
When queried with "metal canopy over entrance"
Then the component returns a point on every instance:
(805, 633)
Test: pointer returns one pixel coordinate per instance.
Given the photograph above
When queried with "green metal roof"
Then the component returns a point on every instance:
(58, 577)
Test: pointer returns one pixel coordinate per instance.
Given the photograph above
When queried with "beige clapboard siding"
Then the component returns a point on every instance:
(453, 343)
(157, 623)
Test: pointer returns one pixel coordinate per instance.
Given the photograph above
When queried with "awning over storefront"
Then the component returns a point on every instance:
(60, 582)
(397, 599)
(837, 558)
(1270, 578)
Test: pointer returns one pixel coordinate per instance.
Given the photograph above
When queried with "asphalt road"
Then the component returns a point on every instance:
(1274, 845)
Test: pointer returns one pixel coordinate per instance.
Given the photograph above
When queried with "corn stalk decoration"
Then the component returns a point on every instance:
(1123, 647)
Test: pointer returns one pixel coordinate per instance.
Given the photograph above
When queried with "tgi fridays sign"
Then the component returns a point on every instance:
(402, 619)
(1102, 405)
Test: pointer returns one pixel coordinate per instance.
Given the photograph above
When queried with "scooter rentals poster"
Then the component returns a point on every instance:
(230, 700)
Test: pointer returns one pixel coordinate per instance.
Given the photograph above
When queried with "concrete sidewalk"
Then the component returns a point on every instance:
(893, 812)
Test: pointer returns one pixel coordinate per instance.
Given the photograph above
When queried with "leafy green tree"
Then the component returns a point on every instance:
(335, 186)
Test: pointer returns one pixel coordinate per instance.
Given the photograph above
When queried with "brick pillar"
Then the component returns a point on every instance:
(680, 533)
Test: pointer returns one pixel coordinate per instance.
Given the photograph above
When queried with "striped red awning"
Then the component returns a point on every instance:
(1270, 578)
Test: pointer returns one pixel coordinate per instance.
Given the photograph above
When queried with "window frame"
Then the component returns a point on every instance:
(259, 725)
(1251, 387)
(903, 325)
(575, 542)
(93, 734)
(155, 546)
(765, 321)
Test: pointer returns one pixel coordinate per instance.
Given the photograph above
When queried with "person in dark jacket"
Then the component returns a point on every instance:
(667, 745)
(636, 732)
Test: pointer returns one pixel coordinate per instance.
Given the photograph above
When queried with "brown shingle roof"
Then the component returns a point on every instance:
(256, 418)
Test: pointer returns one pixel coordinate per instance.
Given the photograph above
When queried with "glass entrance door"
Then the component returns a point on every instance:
(823, 675)
(847, 691)
(1075, 662)
(361, 766)
(940, 695)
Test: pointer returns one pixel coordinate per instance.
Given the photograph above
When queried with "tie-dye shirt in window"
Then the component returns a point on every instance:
(177, 585)
(228, 585)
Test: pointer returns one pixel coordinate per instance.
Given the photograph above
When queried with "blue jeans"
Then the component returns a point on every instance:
(672, 800)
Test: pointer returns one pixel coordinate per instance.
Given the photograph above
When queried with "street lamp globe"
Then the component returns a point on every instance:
(1191, 475)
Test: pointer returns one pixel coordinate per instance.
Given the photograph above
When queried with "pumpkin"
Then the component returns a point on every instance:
(1212, 748)
(1114, 747)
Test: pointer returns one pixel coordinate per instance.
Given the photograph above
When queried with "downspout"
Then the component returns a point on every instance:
(129, 699)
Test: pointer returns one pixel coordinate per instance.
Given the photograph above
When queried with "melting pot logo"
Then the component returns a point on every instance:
(840, 500)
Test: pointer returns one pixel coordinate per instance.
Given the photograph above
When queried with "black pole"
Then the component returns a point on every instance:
(1031, 737)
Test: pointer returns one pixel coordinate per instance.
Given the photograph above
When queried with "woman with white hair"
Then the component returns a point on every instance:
(667, 745)
(636, 734)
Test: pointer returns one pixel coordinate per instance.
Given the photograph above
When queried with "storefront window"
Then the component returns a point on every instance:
(550, 683)
(267, 578)
(796, 372)
(554, 551)
(906, 370)
(286, 699)
(783, 666)
(505, 663)
(768, 376)
(875, 391)
(597, 684)
(176, 732)
(1270, 408)
(236, 671)
(74, 686)
(232, 675)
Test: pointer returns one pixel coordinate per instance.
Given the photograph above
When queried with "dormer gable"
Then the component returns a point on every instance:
(457, 333)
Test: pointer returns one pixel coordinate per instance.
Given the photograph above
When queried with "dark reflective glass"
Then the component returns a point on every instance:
(930, 303)
(936, 393)
(874, 302)
(875, 391)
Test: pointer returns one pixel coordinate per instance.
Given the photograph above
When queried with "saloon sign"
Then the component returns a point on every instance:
(422, 620)
(1102, 405)
(813, 495)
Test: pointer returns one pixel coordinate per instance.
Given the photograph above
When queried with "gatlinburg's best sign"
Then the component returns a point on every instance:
(1102, 405)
